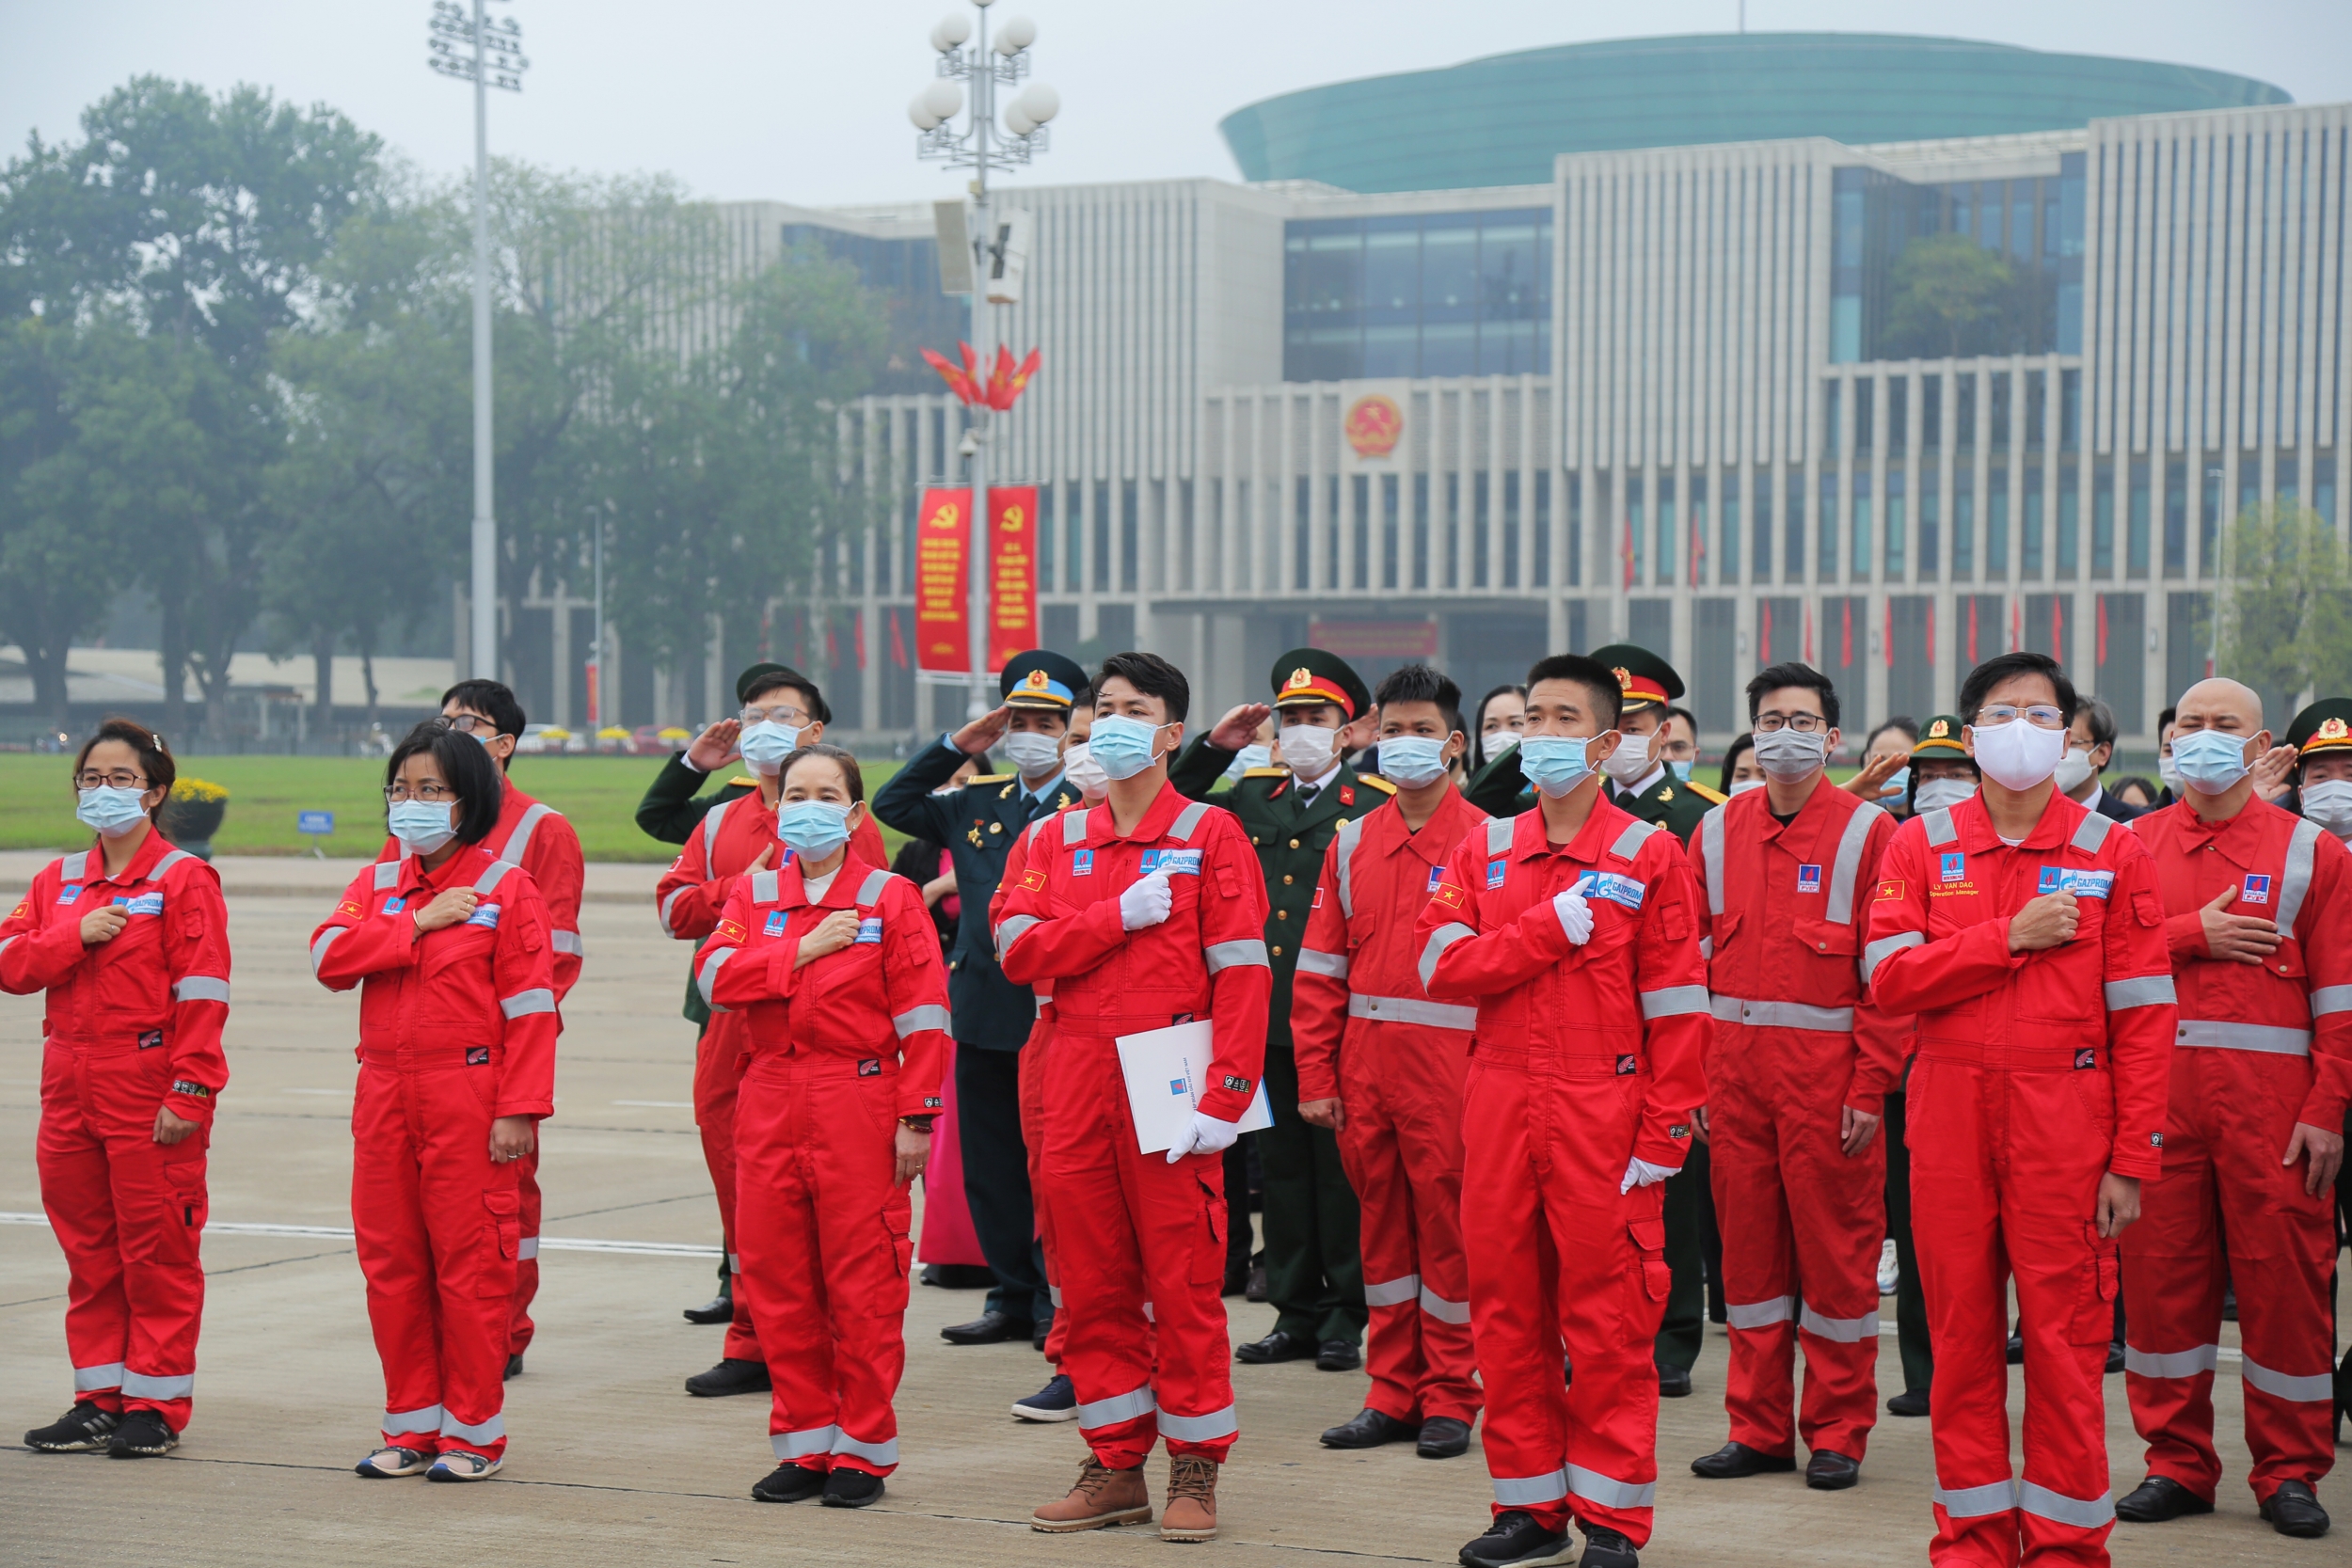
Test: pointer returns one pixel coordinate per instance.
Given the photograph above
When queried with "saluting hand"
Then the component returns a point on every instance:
(2246, 938)
(448, 907)
(715, 747)
(1238, 728)
(983, 733)
(103, 924)
(2270, 772)
(833, 933)
(2048, 921)
(1869, 783)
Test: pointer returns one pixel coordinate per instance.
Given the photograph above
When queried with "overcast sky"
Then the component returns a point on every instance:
(800, 102)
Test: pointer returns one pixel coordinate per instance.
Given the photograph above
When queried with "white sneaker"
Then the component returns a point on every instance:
(388, 1464)
(1889, 1274)
(458, 1464)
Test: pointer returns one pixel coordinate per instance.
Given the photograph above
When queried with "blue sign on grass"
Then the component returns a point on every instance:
(314, 821)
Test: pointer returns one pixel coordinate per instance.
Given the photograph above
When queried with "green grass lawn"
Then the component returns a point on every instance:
(599, 794)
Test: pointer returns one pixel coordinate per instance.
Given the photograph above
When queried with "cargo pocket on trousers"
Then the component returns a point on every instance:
(1208, 1245)
(2103, 1278)
(902, 1243)
(502, 1236)
(1649, 1240)
(185, 1190)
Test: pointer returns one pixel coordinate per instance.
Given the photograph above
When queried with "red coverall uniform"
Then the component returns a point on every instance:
(537, 837)
(1135, 1232)
(841, 1048)
(1033, 1089)
(2037, 1073)
(2260, 1047)
(690, 897)
(457, 1028)
(1585, 1057)
(1367, 1034)
(132, 1025)
(1803, 1224)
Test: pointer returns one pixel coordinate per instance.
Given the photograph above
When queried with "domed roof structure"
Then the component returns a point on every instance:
(1502, 120)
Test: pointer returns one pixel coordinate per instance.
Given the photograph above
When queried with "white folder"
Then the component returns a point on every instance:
(1164, 1069)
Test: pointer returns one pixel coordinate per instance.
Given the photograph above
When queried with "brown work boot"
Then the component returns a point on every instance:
(1191, 1511)
(1103, 1497)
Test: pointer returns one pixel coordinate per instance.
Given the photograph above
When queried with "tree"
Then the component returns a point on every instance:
(1948, 292)
(2286, 620)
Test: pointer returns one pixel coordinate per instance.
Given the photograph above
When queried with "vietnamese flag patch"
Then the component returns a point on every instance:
(730, 931)
(1033, 881)
(346, 907)
(1891, 891)
(1448, 894)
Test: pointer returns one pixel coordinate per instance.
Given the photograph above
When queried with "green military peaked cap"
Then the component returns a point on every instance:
(1306, 676)
(1643, 677)
(2324, 726)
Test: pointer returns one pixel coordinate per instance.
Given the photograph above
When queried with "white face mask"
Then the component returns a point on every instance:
(1309, 749)
(2073, 770)
(1741, 787)
(1032, 754)
(2169, 771)
(1500, 742)
(1631, 762)
(2019, 754)
(2330, 804)
(1084, 774)
(1942, 794)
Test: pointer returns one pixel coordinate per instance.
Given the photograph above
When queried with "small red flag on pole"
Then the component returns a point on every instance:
(1764, 636)
(1845, 634)
(1972, 631)
(1808, 634)
(2103, 630)
(898, 643)
(1887, 637)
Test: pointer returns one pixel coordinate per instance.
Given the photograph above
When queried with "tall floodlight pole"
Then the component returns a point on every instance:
(488, 54)
(1021, 137)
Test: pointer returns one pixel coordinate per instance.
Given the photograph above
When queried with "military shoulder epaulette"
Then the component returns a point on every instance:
(742, 781)
(1703, 792)
(992, 778)
(1265, 773)
(1376, 781)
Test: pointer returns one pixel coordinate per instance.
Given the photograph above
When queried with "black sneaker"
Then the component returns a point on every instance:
(83, 1429)
(730, 1376)
(141, 1435)
(1514, 1539)
(790, 1483)
(1911, 1402)
(1607, 1548)
(847, 1488)
(513, 1367)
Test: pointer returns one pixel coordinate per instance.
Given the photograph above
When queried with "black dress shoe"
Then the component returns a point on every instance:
(1734, 1460)
(1236, 1280)
(1338, 1355)
(1674, 1383)
(2293, 1511)
(2158, 1498)
(1608, 1549)
(730, 1376)
(514, 1365)
(1827, 1471)
(989, 1328)
(1514, 1539)
(1443, 1438)
(1276, 1346)
(1255, 1290)
(2115, 1357)
(2016, 1352)
(1911, 1402)
(1039, 1330)
(718, 1310)
(1368, 1428)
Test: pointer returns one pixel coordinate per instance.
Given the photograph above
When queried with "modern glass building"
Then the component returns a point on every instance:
(1845, 365)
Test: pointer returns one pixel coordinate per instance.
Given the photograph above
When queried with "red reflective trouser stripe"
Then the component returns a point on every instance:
(1032, 1091)
(719, 1058)
(438, 1227)
(1401, 1145)
(129, 1215)
(519, 1328)
(2227, 1210)
(1544, 1147)
(1133, 1230)
(824, 1232)
(1803, 1226)
(2005, 1169)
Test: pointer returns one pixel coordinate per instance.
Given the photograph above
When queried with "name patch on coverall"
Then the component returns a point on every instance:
(1609, 885)
(2082, 885)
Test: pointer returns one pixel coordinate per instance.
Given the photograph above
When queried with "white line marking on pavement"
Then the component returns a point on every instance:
(325, 1232)
(345, 1093)
(660, 1105)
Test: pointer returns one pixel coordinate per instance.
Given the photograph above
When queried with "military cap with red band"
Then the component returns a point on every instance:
(1309, 676)
(1643, 677)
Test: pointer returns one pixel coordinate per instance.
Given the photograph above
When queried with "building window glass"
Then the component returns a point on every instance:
(1846, 257)
(1421, 530)
(2030, 561)
(1897, 543)
(1832, 393)
(1511, 558)
(1663, 563)
(2070, 249)
(1965, 412)
(1964, 524)
(1431, 295)
(2037, 407)
(2070, 410)
(1727, 531)
(1825, 530)
(1539, 529)
(2136, 522)
(1930, 532)
(2069, 525)
(1931, 412)
(2324, 487)
(1897, 417)
(2102, 523)
(1792, 556)
(1997, 524)
(2175, 518)
(1760, 525)
(2209, 512)
(1858, 526)
(1865, 402)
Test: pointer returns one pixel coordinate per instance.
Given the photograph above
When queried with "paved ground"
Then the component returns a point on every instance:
(609, 1457)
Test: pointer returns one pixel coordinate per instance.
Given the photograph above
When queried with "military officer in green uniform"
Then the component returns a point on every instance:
(1642, 783)
(1314, 1274)
(990, 1015)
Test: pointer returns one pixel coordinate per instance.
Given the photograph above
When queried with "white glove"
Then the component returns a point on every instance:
(1147, 903)
(1576, 917)
(1641, 1173)
(1205, 1136)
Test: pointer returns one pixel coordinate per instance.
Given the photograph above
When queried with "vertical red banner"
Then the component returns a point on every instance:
(942, 542)
(1012, 573)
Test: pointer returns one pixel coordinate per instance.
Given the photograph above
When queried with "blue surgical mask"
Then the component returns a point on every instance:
(1555, 764)
(421, 826)
(1412, 760)
(111, 810)
(1898, 782)
(2211, 761)
(1251, 756)
(1681, 770)
(813, 830)
(1123, 746)
(766, 744)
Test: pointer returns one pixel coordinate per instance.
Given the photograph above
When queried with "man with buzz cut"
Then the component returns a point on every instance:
(1292, 813)
(1573, 929)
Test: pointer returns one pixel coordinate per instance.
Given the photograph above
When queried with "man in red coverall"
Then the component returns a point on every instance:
(1574, 928)
(1145, 911)
(2028, 935)
(137, 967)
(1795, 1092)
(537, 837)
(733, 839)
(1382, 1065)
(2262, 1070)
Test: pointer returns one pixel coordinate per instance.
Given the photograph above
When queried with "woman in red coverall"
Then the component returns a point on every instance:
(131, 941)
(455, 956)
(835, 965)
